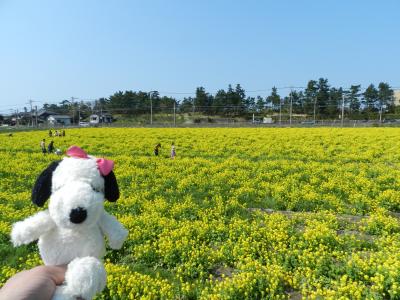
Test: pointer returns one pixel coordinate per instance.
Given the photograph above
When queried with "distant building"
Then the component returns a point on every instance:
(100, 118)
(267, 120)
(44, 114)
(59, 120)
(397, 97)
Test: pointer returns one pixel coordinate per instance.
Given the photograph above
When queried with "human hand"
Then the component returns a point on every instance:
(38, 283)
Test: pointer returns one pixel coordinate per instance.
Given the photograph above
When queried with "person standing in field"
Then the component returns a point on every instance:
(43, 146)
(50, 147)
(156, 149)
(173, 153)
(50, 133)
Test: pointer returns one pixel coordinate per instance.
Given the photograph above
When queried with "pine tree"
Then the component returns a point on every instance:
(385, 97)
(274, 99)
(370, 98)
(354, 98)
(310, 97)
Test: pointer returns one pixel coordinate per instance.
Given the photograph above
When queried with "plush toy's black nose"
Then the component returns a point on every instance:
(77, 215)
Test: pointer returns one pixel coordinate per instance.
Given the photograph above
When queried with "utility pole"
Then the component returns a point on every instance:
(36, 115)
(315, 106)
(342, 108)
(174, 113)
(30, 103)
(79, 114)
(280, 111)
(151, 108)
(73, 109)
(291, 104)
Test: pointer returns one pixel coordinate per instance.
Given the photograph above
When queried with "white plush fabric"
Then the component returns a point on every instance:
(84, 278)
(76, 184)
(31, 228)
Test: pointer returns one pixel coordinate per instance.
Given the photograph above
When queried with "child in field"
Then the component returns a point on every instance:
(50, 147)
(43, 146)
(156, 149)
(173, 153)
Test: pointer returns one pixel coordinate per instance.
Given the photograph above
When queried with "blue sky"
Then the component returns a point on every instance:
(53, 50)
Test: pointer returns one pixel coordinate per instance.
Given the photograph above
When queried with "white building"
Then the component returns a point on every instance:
(59, 120)
(397, 97)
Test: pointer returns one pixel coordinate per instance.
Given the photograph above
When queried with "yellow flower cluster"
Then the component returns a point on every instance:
(239, 214)
(123, 283)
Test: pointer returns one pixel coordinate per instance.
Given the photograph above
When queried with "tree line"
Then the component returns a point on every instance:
(318, 98)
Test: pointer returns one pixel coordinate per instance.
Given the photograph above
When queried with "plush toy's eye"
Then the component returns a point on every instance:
(95, 189)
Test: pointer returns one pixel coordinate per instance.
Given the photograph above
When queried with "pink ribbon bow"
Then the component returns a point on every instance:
(105, 166)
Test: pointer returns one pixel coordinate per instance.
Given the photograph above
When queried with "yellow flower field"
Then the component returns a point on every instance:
(239, 214)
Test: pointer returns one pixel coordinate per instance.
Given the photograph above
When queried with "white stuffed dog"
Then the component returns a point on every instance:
(71, 231)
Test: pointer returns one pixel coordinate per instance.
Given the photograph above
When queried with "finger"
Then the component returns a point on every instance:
(59, 274)
(56, 273)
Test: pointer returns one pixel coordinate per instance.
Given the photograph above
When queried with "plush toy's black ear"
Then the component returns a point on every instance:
(42, 188)
(111, 189)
